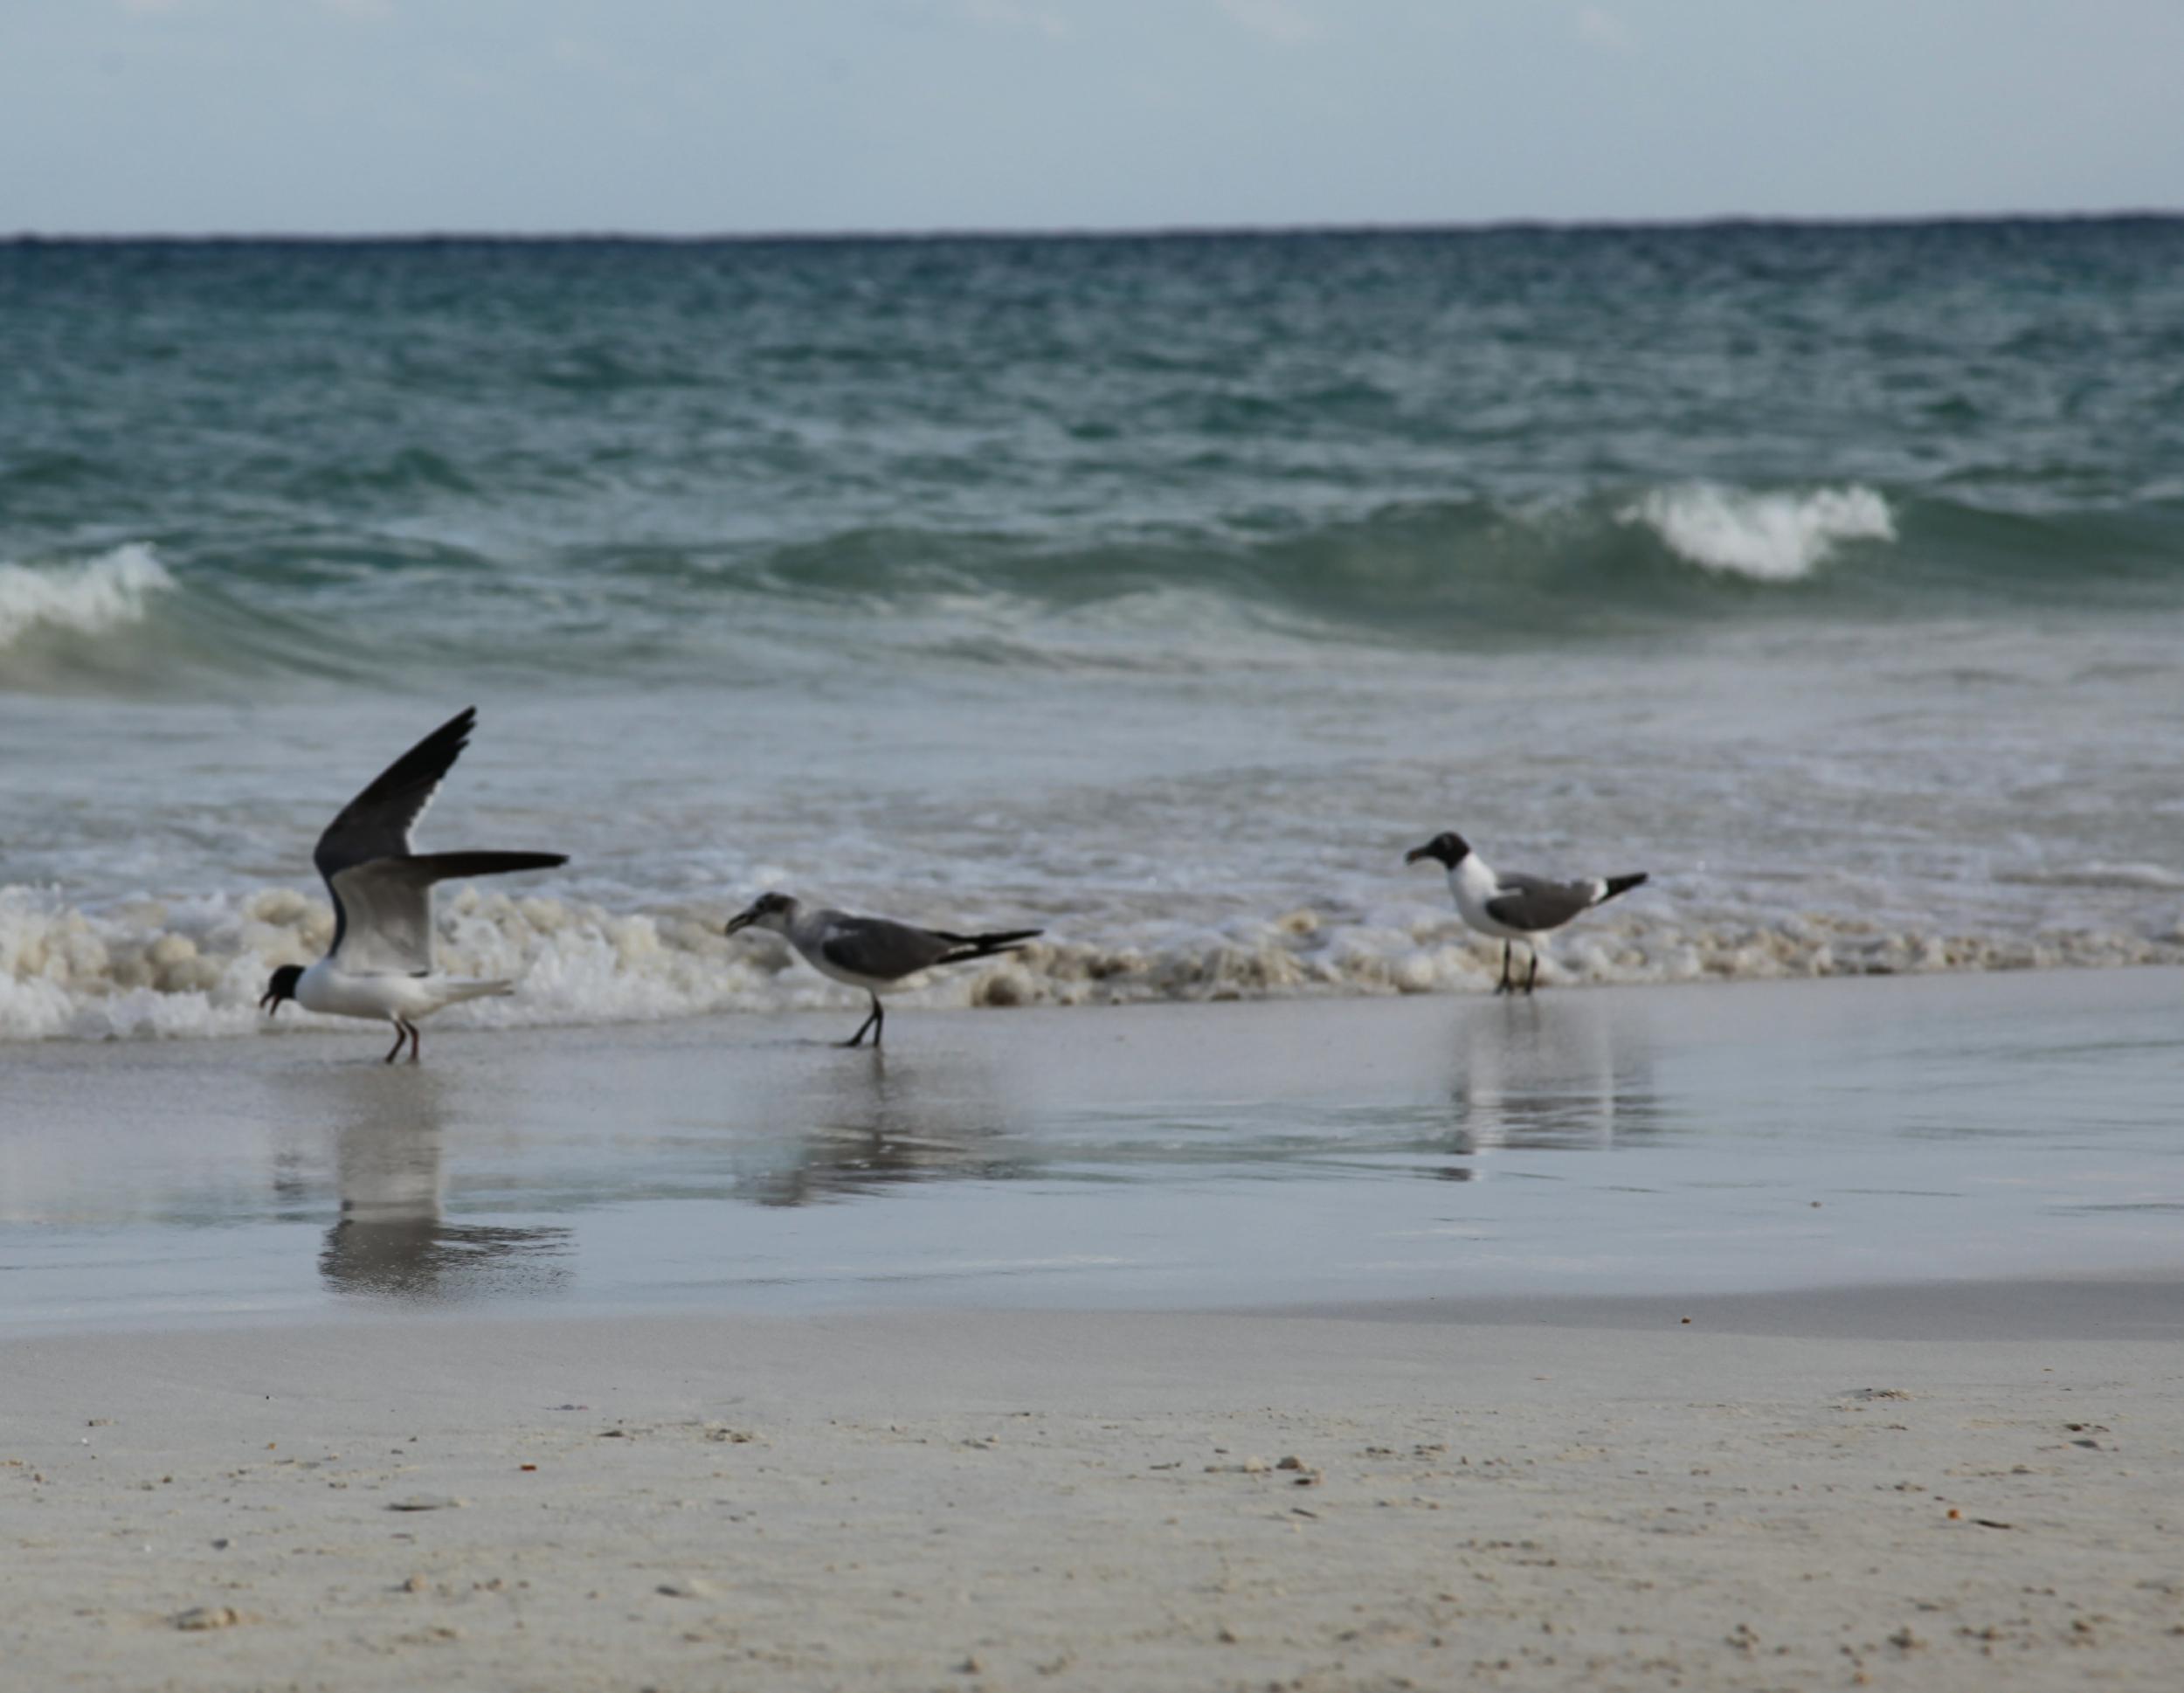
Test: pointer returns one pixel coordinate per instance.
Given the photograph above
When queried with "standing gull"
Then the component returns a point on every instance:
(873, 953)
(381, 962)
(1514, 908)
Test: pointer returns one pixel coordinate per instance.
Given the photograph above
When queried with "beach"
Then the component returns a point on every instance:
(1226, 1289)
(566, 1406)
(1003, 1499)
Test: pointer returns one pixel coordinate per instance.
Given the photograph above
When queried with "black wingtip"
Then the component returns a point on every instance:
(447, 866)
(377, 823)
(449, 738)
(970, 947)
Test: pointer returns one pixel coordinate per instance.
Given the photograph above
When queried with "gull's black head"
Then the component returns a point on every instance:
(283, 986)
(774, 911)
(1448, 848)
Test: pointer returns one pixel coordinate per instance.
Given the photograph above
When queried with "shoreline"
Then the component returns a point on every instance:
(1467, 974)
(155, 968)
(2143, 1306)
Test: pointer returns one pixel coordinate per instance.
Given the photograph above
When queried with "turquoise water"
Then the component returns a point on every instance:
(1434, 438)
(1161, 591)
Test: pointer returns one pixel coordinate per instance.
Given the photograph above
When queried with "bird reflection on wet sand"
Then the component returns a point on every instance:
(391, 1240)
(1533, 1076)
(862, 1128)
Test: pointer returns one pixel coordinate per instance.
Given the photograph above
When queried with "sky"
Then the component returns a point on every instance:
(758, 116)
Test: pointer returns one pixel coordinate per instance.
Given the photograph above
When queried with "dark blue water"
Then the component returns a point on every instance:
(1437, 437)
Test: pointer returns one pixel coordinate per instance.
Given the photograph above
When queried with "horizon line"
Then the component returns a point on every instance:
(1094, 232)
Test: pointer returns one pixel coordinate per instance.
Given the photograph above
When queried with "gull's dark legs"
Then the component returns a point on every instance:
(1505, 985)
(1532, 980)
(415, 1036)
(401, 1033)
(874, 1022)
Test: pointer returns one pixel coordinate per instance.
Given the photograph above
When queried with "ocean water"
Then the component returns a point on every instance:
(1159, 591)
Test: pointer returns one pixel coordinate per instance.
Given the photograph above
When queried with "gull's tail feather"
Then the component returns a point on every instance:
(965, 948)
(457, 991)
(1621, 884)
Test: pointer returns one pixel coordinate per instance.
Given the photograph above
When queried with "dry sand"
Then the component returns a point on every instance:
(1805, 1491)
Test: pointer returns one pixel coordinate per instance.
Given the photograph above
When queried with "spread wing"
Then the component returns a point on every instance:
(384, 907)
(383, 919)
(1532, 903)
(376, 824)
(382, 894)
(884, 950)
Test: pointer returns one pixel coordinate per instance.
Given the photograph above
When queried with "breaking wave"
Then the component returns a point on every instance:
(1768, 537)
(107, 592)
(1457, 573)
(196, 968)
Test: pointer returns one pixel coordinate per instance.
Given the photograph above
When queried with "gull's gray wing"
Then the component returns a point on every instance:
(383, 919)
(376, 824)
(1531, 902)
(884, 950)
(384, 908)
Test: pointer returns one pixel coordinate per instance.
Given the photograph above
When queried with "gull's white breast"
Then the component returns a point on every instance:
(340, 993)
(1473, 885)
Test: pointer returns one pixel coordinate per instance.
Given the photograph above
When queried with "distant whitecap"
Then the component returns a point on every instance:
(1768, 537)
(101, 593)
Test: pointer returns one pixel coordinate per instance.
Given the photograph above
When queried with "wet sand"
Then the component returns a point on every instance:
(1297, 1153)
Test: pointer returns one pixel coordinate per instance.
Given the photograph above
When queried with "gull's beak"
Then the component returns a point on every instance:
(270, 1001)
(1416, 853)
(741, 920)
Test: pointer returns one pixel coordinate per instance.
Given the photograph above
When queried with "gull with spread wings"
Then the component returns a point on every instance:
(877, 954)
(1515, 908)
(381, 962)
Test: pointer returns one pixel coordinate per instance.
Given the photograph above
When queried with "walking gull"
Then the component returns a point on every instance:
(873, 953)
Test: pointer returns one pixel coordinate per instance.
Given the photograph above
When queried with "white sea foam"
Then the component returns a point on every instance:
(98, 594)
(153, 968)
(1768, 537)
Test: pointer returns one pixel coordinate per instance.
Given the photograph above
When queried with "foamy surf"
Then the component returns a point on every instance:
(157, 969)
(107, 592)
(1767, 537)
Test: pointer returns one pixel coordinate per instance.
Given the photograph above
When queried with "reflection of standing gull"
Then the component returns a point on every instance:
(873, 953)
(860, 1131)
(381, 962)
(391, 1239)
(1573, 1080)
(1515, 908)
